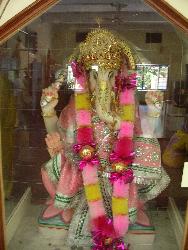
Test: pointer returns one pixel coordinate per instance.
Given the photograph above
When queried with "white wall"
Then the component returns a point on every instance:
(12, 8)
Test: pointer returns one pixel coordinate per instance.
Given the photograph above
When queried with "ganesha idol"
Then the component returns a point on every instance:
(102, 169)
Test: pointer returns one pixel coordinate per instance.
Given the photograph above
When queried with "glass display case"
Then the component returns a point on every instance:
(54, 83)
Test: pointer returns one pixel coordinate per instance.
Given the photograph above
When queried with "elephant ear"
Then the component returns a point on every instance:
(122, 74)
(79, 73)
(124, 69)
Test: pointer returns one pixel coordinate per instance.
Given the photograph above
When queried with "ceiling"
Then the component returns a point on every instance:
(111, 12)
(101, 6)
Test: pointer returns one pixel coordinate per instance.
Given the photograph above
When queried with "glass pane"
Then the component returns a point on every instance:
(47, 129)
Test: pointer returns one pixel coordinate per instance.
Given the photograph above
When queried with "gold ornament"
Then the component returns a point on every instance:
(119, 166)
(102, 48)
(87, 152)
(108, 241)
(99, 21)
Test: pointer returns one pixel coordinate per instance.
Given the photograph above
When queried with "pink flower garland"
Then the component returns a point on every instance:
(123, 152)
(85, 135)
(102, 228)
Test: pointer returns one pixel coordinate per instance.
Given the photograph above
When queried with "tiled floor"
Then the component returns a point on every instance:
(28, 236)
(165, 238)
(9, 207)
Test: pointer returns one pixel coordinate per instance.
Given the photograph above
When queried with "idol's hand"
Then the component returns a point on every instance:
(49, 99)
(54, 143)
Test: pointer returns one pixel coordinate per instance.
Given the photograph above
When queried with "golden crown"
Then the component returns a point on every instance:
(102, 48)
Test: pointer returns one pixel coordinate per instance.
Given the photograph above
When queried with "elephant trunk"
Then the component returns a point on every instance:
(103, 102)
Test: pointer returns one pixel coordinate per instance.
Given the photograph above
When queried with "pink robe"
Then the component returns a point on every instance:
(63, 181)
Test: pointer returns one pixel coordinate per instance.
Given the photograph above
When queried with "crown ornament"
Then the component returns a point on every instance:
(104, 49)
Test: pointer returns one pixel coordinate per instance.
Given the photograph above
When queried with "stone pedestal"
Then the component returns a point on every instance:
(53, 229)
(54, 222)
(140, 237)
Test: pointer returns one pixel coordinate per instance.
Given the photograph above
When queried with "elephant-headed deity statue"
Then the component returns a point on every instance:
(102, 169)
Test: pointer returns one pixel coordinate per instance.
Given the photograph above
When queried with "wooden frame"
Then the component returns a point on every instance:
(6, 31)
(2, 208)
(36, 9)
(185, 238)
(167, 11)
(24, 17)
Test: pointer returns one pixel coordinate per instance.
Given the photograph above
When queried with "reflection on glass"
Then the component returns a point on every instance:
(29, 62)
(152, 114)
(8, 119)
(152, 77)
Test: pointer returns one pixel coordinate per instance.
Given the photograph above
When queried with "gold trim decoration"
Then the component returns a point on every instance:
(104, 49)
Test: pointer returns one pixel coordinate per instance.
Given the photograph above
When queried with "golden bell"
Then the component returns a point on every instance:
(119, 166)
(86, 152)
(108, 241)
